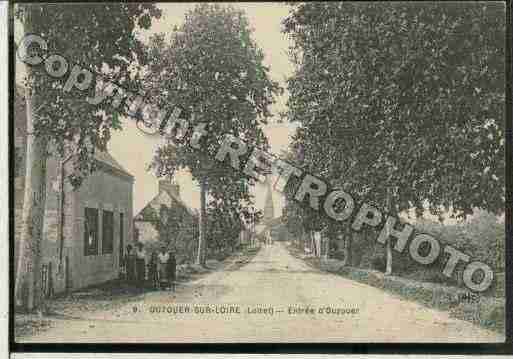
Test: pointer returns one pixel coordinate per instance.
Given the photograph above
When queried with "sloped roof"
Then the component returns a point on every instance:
(106, 158)
(173, 197)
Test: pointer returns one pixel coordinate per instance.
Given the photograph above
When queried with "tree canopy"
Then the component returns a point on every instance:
(103, 39)
(213, 70)
(407, 96)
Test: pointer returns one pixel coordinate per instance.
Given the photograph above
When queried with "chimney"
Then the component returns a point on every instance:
(170, 186)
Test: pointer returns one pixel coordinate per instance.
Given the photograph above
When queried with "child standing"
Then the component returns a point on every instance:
(140, 264)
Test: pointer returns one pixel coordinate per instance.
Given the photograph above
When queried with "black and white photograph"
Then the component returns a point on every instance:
(241, 173)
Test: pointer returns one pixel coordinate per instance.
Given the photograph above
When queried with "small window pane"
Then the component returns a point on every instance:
(108, 232)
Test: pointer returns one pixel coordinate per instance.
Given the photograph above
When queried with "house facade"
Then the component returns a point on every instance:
(179, 228)
(84, 228)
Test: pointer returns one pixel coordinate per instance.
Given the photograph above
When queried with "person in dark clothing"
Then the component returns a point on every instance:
(130, 264)
(153, 273)
(163, 258)
(171, 270)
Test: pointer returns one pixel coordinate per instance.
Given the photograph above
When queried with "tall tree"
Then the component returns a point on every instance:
(403, 102)
(212, 68)
(101, 37)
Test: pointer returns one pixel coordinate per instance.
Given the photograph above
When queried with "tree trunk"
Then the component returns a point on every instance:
(389, 258)
(28, 294)
(201, 255)
(357, 251)
(310, 244)
(348, 244)
(327, 246)
(317, 243)
(388, 270)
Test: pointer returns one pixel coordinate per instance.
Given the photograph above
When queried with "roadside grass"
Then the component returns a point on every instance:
(487, 312)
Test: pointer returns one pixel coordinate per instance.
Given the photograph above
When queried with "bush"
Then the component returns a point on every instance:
(500, 284)
(376, 279)
(481, 236)
(431, 276)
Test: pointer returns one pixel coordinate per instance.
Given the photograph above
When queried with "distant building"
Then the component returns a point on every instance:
(84, 228)
(181, 222)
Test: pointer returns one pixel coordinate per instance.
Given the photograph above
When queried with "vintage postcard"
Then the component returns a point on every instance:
(319, 172)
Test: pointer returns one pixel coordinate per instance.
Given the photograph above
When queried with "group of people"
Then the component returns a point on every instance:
(160, 270)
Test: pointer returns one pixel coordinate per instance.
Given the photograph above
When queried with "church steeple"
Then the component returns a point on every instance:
(269, 206)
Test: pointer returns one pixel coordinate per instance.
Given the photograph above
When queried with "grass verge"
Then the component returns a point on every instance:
(487, 312)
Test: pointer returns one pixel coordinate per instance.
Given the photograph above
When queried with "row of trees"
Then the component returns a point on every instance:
(209, 66)
(401, 104)
(212, 66)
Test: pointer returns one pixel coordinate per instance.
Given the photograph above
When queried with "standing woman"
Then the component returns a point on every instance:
(130, 264)
(163, 258)
(171, 269)
(153, 274)
(140, 264)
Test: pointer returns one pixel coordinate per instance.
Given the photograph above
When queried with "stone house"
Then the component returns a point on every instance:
(180, 225)
(84, 228)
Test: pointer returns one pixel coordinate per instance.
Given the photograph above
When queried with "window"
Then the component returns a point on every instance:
(121, 237)
(108, 232)
(91, 232)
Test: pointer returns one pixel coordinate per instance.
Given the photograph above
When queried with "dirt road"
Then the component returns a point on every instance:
(274, 298)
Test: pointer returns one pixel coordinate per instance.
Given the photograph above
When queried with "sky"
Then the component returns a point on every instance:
(265, 19)
(134, 150)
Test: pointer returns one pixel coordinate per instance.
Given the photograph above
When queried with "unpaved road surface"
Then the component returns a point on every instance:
(273, 279)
